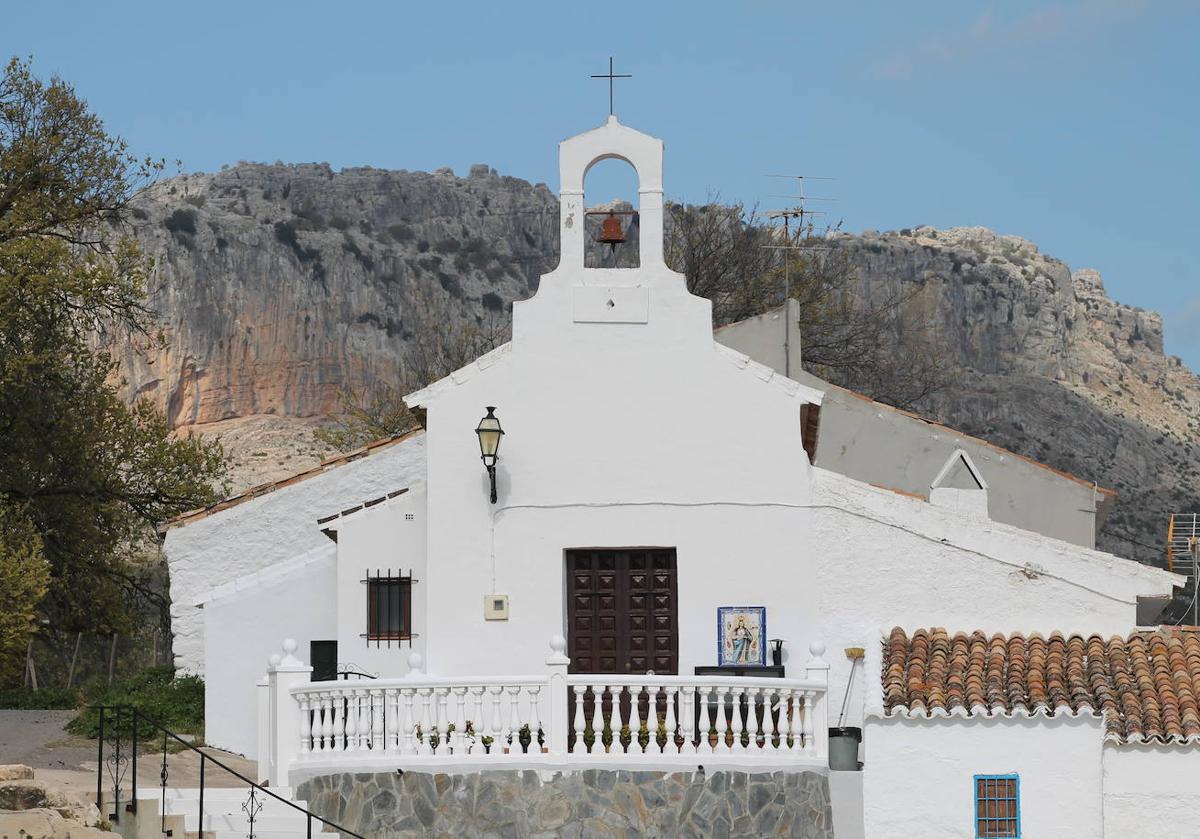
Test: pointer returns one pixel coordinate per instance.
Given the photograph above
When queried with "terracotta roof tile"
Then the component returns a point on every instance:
(1147, 686)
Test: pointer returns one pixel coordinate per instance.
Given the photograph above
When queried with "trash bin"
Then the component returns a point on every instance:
(843, 747)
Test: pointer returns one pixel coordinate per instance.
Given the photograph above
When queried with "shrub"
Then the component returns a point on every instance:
(450, 284)
(492, 302)
(181, 221)
(285, 232)
(177, 703)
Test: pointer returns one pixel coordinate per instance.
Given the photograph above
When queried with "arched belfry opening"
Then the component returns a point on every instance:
(613, 223)
(611, 144)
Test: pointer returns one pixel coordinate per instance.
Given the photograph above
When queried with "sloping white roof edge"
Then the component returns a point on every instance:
(425, 395)
(767, 374)
(1075, 564)
(333, 522)
(264, 576)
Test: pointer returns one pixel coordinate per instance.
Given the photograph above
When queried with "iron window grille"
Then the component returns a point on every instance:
(389, 608)
(997, 806)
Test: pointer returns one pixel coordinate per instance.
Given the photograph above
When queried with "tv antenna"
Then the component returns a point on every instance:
(798, 212)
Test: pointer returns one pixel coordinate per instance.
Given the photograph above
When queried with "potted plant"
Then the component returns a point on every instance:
(524, 737)
(660, 736)
(487, 743)
(589, 738)
(713, 737)
(606, 737)
(643, 737)
(626, 737)
(541, 737)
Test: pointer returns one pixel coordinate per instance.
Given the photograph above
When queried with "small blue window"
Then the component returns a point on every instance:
(997, 806)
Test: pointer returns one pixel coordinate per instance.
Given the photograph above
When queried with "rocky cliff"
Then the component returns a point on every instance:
(278, 285)
(1046, 364)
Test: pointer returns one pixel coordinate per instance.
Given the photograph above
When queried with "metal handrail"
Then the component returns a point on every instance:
(204, 756)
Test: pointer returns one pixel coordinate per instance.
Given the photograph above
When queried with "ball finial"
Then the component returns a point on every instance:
(290, 646)
(817, 648)
(558, 644)
(273, 660)
(415, 662)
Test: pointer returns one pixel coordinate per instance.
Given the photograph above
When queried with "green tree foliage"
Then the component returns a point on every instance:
(24, 577)
(89, 473)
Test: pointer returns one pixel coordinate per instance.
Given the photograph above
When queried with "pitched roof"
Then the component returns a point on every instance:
(262, 489)
(1146, 685)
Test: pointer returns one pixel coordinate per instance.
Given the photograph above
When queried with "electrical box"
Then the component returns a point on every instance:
(495, 607)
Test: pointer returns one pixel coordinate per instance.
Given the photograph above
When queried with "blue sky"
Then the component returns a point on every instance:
(1074, 124)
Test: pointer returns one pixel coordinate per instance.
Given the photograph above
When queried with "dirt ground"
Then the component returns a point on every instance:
(38, 739)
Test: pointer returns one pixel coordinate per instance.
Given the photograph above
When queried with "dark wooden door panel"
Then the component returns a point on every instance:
(622, 611)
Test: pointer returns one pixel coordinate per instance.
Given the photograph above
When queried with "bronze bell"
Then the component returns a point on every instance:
(610, 232)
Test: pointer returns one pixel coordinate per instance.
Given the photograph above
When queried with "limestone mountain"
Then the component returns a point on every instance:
(279, 285)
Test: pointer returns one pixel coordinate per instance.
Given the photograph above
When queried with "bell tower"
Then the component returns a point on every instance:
(615, 308)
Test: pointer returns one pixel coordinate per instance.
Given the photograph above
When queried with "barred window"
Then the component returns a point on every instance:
(997, 806)
(389, 608)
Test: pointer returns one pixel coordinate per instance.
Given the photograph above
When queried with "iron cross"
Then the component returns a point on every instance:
(610, 76)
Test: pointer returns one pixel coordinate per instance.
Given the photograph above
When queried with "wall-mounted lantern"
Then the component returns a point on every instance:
(490, 432)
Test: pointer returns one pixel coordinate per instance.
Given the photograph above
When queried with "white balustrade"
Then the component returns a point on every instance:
(564, 720)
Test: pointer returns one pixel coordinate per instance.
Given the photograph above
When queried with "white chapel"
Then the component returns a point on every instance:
(609, 551)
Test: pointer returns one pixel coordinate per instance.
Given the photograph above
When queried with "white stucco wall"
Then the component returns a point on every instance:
(380, 538)
(244, 627)
(1152, 790)
(272, 528)
(919, 779)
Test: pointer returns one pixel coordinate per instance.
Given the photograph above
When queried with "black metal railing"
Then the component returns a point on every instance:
(121, 760)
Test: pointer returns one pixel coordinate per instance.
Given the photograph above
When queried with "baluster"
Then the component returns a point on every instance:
(305, 727)
(339, 721)
(755, 699)
(377, 741)
(725, 724)
(498, 746)
(461, 744)
(635, 718)
(671, 692)
(704, 742)
(810, 746)
(366, 720)
(769, 700)
(327, 703)
(423, 700)
(514, 719)
(355, 709)
(535, 722)
(433, 718)
(351, 701)
(580, 725)
(738, 701)
(408, 734)
(391, 704)
(482, 729)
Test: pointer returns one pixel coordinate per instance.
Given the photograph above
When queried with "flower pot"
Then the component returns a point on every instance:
(843, 748)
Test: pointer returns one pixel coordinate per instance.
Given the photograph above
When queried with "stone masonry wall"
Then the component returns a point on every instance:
(592, 803)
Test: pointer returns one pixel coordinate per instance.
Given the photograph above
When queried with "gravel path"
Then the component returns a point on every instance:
(37, 739)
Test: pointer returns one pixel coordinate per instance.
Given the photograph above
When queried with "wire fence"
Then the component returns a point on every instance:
(65, 660)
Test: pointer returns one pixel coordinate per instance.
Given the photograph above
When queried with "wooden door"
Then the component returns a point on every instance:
(622, 611)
